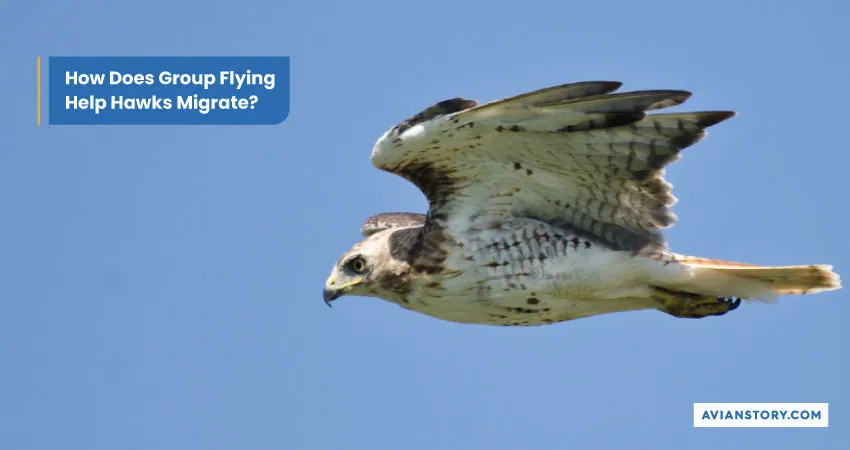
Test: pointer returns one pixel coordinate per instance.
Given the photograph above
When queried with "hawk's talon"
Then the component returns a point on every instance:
(734, 302)
(695, 306)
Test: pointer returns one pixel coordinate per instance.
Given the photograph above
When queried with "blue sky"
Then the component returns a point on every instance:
(160, 286)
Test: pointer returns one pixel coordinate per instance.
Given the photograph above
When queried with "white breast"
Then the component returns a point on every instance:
(531, 274)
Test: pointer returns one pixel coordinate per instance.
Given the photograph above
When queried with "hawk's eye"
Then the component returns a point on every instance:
(357, 265)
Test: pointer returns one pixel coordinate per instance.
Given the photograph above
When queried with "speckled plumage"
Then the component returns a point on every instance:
(545, 207)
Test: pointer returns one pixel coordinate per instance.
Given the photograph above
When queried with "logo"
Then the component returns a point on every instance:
(761, 415)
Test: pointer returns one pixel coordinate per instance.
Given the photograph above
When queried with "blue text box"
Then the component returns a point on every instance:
(168, 90)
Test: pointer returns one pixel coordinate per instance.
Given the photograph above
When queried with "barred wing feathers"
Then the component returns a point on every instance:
(577, 156)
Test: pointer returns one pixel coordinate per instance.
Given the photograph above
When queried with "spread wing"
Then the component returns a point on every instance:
(576, 156)
(384, 221)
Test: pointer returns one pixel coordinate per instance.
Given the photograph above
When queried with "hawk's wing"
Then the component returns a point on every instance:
(574, 155)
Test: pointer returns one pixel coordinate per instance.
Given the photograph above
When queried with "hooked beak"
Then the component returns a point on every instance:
(330, 295)
(331, 292)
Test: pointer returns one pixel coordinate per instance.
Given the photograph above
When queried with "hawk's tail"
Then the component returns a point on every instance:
(747, 281)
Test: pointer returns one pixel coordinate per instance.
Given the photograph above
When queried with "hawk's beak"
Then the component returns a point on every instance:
(331, 292)
(330, 295)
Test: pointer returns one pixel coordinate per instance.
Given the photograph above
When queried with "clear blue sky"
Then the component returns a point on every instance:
(160, 286)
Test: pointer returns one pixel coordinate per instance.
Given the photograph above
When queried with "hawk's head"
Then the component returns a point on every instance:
(374, 267)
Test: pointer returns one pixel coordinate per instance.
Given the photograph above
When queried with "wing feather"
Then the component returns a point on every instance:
(558, 94)
(385, 221)
(575, 155)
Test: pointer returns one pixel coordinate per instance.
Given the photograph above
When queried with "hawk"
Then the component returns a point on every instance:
(546, 207)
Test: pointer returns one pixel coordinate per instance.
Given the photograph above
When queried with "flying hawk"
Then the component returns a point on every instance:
(545, 207)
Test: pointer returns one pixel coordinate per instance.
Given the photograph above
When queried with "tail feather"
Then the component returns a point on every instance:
(748, 281)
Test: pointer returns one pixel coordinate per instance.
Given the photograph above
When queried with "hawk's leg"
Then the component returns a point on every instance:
(694, 306)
